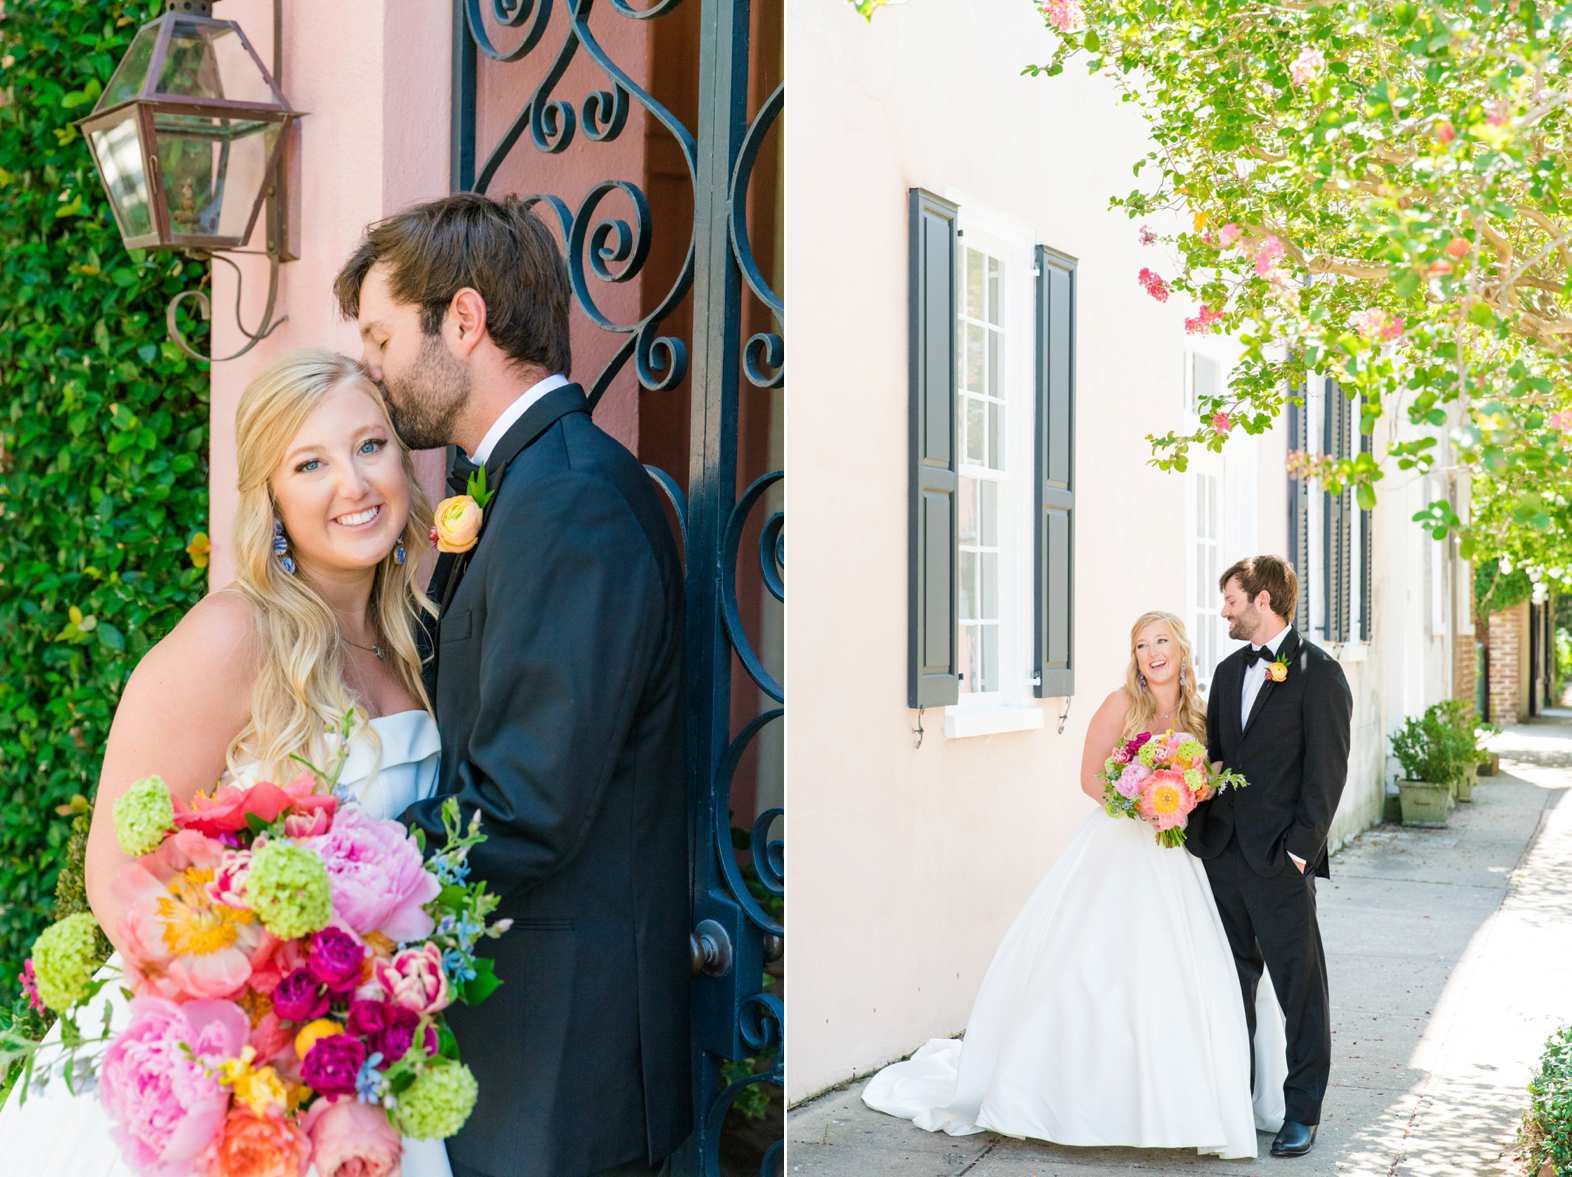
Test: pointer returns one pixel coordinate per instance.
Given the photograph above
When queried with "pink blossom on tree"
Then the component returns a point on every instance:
(1267, 255)
(1375, 323)
(1154, 285)
(1203, 321)
(1306, 66)
(1221, 423)
(1148, 235)
(1065, 15)
(1228, 234)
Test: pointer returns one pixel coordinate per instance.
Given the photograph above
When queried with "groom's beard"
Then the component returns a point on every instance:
(425, 402)
(1239, 629)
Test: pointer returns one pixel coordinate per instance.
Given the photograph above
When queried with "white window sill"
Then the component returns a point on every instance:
(963, 722)
(1351, 652)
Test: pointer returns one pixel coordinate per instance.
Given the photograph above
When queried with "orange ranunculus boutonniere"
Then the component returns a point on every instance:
(458, 519)
(1277, 669)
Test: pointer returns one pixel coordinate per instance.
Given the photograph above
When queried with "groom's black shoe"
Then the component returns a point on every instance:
(1294, 1140)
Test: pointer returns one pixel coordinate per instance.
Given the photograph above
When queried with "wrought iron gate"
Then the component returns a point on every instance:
(736, 927)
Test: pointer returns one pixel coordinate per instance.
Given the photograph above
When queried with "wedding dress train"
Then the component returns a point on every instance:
(1109, 1016)
(57, 1134)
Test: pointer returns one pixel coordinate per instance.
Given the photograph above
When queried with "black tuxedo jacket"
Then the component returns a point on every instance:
(558, 688)
(1294, 752)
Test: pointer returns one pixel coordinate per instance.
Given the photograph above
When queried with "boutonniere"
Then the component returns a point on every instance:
(1277, 669)
(458, 519)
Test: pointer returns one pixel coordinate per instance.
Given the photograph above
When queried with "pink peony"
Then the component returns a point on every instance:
(352, 1139)
(257, 1146)
(1129, 782)
(414, 978)
(177, 941)
(155, 1085)
(380, 883)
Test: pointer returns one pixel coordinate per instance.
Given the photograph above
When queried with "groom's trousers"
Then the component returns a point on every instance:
(1272, 922)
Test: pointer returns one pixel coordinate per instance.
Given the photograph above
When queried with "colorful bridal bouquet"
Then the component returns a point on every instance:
(287, 960)
(1161, 779)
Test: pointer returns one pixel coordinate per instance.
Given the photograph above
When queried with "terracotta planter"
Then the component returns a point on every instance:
(1425, 803)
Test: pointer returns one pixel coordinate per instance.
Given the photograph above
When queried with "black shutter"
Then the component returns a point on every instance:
(1055, 538)
(1299, 510)
(1336, 521)
(932, 679)
(1366, 561)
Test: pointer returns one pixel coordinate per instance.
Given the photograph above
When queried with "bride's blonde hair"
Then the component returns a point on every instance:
(300, 690)
(1143, 716)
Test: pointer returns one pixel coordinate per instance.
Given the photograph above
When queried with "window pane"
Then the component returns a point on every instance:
(989, 674)
(973, 377)
(974, 284)
(968, 584)
(993, 290)
(975, 440)
(990, 585)
(968, 658)
(966, 511)
(995, 412)
(989, 511)
(995, 339)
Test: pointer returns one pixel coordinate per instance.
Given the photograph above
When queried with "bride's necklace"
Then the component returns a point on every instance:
(377, 650)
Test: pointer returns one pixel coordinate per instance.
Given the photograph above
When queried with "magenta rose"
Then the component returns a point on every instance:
(388, 1028)
(335, 958)
(380, 883)
(155, 1080)
(299, 997)
(332, 1063)
(415, 980)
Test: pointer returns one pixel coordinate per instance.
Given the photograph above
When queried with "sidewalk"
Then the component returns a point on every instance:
(1450, 954)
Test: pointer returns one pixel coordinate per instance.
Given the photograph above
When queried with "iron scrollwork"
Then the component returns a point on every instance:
(735, 932)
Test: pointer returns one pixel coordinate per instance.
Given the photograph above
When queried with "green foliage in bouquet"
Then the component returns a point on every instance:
(1438, 746)
(1545, 1136)
(103, 442)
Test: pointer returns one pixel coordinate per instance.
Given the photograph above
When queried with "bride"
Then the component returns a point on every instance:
(1111, 1013)
(312, 626)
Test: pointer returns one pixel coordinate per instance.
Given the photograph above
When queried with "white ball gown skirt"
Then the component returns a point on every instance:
(57, 1134)
(1110, 1016)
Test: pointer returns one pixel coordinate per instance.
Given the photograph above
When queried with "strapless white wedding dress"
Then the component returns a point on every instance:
(1110, 1016)
(57, 1134)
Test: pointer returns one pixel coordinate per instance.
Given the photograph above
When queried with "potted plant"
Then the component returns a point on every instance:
(1489, 762)
(1464, 744)
(1427, 749)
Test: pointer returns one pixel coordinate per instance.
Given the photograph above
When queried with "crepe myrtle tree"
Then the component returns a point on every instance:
(1374, 192)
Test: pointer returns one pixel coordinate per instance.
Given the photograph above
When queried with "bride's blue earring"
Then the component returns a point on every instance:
(398, 553)
(1142, 677)
(281, 548)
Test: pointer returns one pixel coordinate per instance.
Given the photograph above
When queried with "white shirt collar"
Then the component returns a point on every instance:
(1276, 643)
(512, 413)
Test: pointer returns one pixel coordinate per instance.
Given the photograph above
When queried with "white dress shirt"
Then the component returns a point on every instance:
(512, 413)
(1254, 680)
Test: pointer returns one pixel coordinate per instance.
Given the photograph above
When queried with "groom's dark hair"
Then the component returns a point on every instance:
(496, 247)
(1269, 574)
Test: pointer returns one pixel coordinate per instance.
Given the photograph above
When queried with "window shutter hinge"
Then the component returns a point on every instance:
(1037, 679)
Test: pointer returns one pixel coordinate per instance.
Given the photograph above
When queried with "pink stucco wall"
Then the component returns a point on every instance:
(374, 77)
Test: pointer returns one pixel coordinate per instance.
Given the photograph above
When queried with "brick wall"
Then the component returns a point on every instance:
(1463, 685)
(1507, 662)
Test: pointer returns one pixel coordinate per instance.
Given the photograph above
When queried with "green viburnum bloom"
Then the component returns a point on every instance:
(1195, 778)
(1149, 751)
(438, 1102)
(1190, 750)
(288, 889)
(1112, 767)
(143, 815)
(65, 957)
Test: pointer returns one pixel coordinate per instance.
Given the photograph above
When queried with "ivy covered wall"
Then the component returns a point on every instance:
(103, 446)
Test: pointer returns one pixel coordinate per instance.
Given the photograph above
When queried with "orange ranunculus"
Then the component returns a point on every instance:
(311, 1031)
(257, 1146)
(457, 524)
(1278, 671)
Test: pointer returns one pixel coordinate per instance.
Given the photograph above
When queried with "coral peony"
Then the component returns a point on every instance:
(330, 1066)
(177, 942)
(1166, 798)
(379, 880)
(415, 980)
(156, 1082)
(352, 1139)
(257, 1146)
(229, 806)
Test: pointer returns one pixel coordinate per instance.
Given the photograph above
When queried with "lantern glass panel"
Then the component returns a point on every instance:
(119, 151)
(131, 75)
(213, 171)
(209, 59)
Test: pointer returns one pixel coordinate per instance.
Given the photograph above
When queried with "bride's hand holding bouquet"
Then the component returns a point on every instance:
(1160, 779)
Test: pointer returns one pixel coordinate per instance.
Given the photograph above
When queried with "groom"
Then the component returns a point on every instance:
(1279, 714)
(557, 683)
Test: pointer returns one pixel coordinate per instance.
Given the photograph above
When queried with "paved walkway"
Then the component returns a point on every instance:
(1450, 954)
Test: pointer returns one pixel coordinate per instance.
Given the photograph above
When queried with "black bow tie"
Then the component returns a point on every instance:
(1264, 654)
(459, 472)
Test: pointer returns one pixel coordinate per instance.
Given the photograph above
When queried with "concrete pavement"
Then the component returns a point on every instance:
(1450, 960)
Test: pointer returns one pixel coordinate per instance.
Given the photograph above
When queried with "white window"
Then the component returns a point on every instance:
(995, 504)
(1205, 638)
